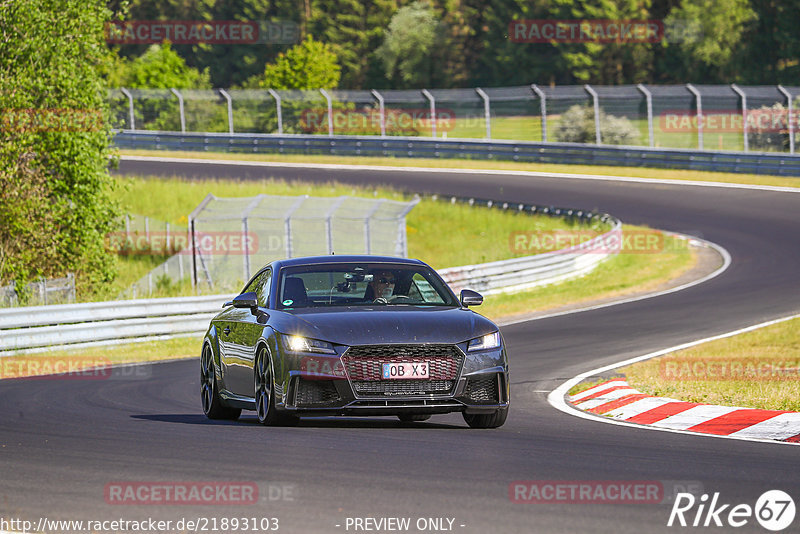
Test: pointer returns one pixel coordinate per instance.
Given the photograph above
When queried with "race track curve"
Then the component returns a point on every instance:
(63, 441)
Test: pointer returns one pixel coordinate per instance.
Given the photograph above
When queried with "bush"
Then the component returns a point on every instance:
(577, 126)
(769, 128)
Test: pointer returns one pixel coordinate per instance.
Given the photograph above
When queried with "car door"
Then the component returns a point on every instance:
(242, 337)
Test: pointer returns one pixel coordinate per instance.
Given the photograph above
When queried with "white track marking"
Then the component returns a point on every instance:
(608, 397)
(693, 416)
(640, 406)
(726, 262)
(444, 170)
(781, 426)
(596, 389)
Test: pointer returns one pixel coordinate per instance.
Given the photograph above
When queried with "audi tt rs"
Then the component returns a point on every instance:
(353, 335)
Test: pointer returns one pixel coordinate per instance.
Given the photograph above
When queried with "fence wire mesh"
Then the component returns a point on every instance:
(231, 238)
(677, 116)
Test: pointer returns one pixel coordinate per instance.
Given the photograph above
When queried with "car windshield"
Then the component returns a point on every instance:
(349, 284)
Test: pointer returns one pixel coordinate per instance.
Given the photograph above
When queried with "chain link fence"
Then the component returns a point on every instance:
(229, 239)
(41, 293)
(726, 117)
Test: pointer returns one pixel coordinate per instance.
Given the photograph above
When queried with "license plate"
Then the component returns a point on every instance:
(405, 370)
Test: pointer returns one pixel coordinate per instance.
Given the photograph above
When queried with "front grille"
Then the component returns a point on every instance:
(403, 387)
(366, 362)
(315, 392)
(482, 390)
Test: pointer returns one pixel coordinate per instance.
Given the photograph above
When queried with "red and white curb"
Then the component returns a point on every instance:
(617, 400)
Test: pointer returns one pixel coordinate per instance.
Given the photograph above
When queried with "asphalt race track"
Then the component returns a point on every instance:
(63, 441)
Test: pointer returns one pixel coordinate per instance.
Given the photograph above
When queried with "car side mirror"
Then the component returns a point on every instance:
(471, 298)
(246, 300)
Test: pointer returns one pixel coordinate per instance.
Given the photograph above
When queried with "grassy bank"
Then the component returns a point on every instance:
(758, 369)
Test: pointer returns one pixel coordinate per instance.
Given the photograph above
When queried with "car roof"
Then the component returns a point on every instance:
(315, 260)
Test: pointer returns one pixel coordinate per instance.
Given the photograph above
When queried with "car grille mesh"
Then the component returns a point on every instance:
(364, 365)
(407, 387)
(482, 390)
(316, 392)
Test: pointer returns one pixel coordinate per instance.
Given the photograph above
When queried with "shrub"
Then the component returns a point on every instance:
(577, 126)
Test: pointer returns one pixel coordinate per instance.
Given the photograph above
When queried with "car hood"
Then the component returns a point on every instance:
(385, 324)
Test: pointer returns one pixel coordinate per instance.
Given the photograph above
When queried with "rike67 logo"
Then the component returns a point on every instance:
(774, 510)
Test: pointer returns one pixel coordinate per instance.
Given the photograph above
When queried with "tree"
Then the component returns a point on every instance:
(708, 32)
(606, 62)
(308, 65)
(55, 206)
(354, 29)
(409, 45)
(160, 67)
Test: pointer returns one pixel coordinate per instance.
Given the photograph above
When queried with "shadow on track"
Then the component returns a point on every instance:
(308, 422)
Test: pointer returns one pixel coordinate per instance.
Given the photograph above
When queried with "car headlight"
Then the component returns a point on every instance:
(304, 344)
(489, 341)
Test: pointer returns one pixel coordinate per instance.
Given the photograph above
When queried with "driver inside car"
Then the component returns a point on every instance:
(382, 286)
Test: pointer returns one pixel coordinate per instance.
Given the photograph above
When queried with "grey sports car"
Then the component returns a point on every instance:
(353, 335)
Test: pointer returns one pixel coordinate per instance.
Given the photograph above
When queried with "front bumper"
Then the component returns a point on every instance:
(477, 383)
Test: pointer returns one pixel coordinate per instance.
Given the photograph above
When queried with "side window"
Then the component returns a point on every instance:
(260, 286)
(264, 281)
(423, 288)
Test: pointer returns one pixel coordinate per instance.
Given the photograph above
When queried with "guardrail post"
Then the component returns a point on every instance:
(381, 110)
(487, 117)
(147, 229)
(596, 101)
(427, 94)
(227, 97)
(699, 100)
(277, 98)
(130, 107)
(649, 99)
(543, 107)
(743, 96)
(789, 117)
(180, 107)
(330, 111)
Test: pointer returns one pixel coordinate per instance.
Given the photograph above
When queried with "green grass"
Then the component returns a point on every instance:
(440, 233)
(758, 369)
(621, 275)
(529, 128)
(638, 172)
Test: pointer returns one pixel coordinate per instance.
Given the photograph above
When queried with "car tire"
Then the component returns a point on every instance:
(486, 420)
(413, 417)
(209, 390)
(265, 393)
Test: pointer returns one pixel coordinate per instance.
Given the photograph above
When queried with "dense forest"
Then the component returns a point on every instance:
(463, 43)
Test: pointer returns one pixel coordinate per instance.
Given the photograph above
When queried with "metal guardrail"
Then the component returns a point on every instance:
(780, 164)
(34, 328)
(94, 322)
